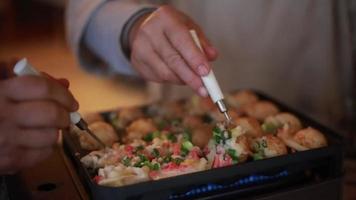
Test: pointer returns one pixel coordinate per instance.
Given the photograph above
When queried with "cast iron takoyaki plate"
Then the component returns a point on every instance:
(244, 180)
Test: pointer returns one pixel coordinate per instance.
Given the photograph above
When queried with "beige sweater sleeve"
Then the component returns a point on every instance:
(93, 30)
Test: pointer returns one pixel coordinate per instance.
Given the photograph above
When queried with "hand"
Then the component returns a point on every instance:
(33, 109)
(164, 51)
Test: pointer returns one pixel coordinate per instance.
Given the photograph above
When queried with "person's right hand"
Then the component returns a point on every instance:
(162, 49)
(33, 109)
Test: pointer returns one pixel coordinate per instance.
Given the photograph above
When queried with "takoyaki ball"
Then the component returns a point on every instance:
(250, 126)
(125, 116)
(241, 99)
(261, 110)
(104, 131)
(201, 135)
(310, 138)
(272, 123)
(139, 128)
(198, 105)
(268, 146)
(93, 117)
(173, 109)
(217, 116)
(191, 121)
(242, 148)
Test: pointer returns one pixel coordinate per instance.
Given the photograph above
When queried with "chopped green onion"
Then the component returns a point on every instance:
(264, 144)
(269, 127)
(217, 130)
(233, 154)
(162, 124)
(185, 148)
(155, 166)
(177, 160)
(217, 135)
(126, 161)
(150, 136)
(139, 148)
(187, 136)
(155, 153)
(138, 164)
(156, 134)
(142, 157)
(187, 145)
(143, 161)
(260, 145)
(172, 137)
(176, 122)
(257, 156)
(167, 159)
(184, 152)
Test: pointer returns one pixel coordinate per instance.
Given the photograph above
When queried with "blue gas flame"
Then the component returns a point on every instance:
(249, 180)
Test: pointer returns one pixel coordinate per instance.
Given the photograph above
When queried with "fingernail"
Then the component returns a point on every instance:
(203, 92)
(213, 51)
(75, 105)
(203, 70)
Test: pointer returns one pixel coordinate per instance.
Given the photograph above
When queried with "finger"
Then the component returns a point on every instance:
(149, 57)
(163, 71)
(23, 157)
(40, 114)
(33, 156)
(64, 82)
(144, 70)
(176, 63)
(27, 88)
(37, 138)
(180, 38)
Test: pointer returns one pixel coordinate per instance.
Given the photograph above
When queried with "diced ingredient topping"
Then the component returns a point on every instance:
(269, 128)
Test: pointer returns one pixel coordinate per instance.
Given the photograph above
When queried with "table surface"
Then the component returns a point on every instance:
(52, 179)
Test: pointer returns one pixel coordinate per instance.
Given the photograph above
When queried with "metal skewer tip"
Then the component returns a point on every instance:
(96, 138)
(227, 116)
(84, 126)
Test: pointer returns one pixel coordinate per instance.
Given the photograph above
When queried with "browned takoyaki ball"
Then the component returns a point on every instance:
(242, 148)
(139, 128)
(280, 120)
(201, 135)
(310, 138)
(92, 117)
(191, 121)
(250, 126)
(104, 131)
(269, 146)
(198, 105)
(242, 98)
(127, 115)
(261, 110)
(172, 110)
(217, 116)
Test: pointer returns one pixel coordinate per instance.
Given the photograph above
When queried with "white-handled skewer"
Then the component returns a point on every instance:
(211, 83)
(24, 68)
